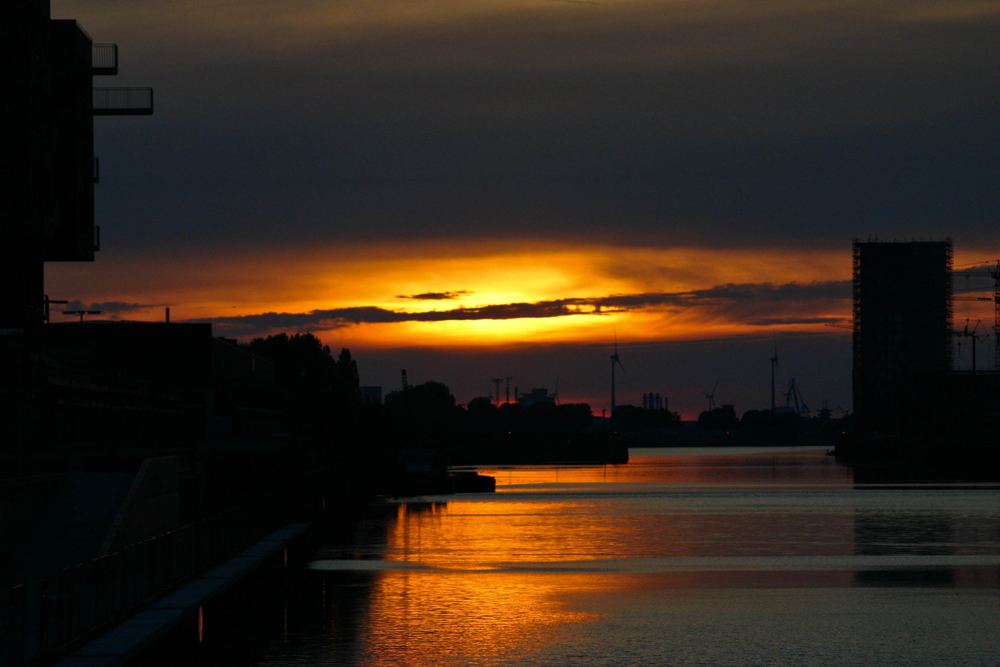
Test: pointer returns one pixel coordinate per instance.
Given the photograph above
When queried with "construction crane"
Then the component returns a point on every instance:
(793, 394)
(993, 273)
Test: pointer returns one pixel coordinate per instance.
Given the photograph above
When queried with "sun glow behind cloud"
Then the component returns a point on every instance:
(481, 294)
(500, 293)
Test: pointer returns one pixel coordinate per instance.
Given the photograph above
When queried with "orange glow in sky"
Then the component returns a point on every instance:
(475, 275)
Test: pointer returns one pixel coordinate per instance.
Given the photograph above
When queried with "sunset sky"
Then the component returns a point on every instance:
(491, 188)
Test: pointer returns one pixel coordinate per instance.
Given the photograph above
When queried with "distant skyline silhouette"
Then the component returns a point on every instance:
(393, 181)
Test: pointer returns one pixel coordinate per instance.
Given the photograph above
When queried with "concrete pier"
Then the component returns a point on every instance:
(127, 640)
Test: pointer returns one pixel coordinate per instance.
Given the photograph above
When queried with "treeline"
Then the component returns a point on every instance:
(763, 424)
(320, 394)
(323, 399)
(632, 418)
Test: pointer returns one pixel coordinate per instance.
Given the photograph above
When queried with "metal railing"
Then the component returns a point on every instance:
(123, 101)
(104, 59)
(40, 619)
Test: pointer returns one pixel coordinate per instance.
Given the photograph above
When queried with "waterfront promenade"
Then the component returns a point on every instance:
(127, 640)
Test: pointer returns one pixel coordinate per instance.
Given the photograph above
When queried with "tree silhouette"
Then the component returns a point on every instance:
(424, 409)
(722, 419)
(321, 393)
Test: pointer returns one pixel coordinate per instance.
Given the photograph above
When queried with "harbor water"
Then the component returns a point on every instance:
(715, 557)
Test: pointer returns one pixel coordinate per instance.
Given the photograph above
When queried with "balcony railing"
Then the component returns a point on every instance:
(104, 59)
(123, 101)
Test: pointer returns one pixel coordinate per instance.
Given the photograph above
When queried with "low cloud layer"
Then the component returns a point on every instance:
(747, 303)
(112, 309)
(435, 296)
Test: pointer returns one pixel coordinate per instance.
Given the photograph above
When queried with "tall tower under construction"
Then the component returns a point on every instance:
(902, 328)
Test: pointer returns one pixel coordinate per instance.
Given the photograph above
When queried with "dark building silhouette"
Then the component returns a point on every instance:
(132, 389)
(75, 391)
(653, 401)
(902, 328)
(371, 395)
(48, 199)
(537, 395)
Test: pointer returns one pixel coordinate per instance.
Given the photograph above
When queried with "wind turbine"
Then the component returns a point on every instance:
(711, 397)
(614, 360)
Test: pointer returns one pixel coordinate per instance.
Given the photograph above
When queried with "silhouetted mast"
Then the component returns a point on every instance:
(614, 360)
(774, 369)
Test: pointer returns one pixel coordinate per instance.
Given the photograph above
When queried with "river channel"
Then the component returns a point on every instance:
(711, 557)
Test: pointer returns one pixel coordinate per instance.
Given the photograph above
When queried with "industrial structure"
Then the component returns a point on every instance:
(536, 396)
(48, 202)
(794, 400)
(653, 401)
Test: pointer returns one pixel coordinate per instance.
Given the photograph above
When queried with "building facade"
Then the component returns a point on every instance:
(47, 203)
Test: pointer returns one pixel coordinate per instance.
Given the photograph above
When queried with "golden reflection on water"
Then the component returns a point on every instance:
(498, 575)
(563, 516)
(555, 566)
(487, 535)
(441, 618)
(682, 466)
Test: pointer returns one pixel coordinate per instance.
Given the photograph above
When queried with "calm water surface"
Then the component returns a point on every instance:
(680, 557)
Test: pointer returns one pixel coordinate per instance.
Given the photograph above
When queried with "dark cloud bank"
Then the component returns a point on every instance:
(435, 296)
(749, 303)
(111, 309)
(765, 123)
